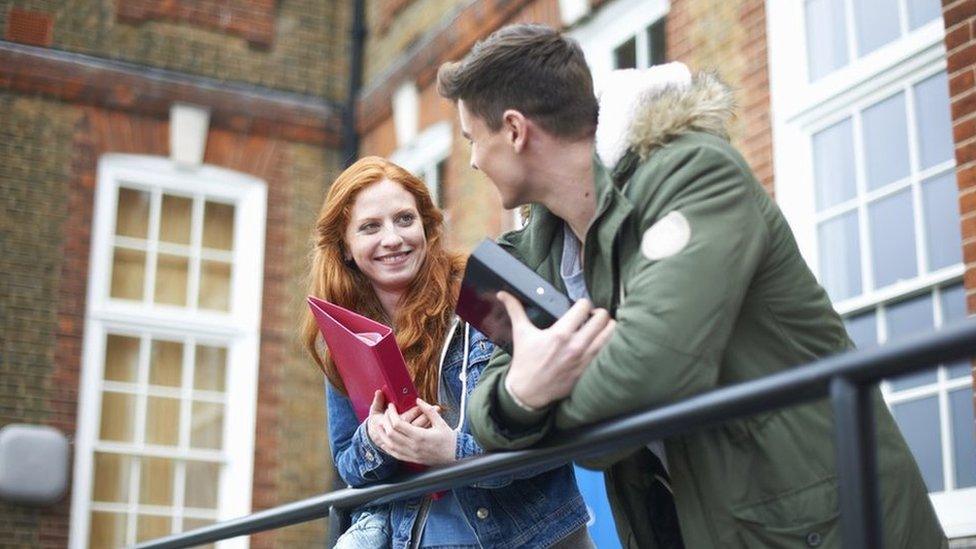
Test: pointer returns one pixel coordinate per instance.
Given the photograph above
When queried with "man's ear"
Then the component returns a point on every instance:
(516, 128)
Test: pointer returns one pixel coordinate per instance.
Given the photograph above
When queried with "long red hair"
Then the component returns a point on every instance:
(427, 307)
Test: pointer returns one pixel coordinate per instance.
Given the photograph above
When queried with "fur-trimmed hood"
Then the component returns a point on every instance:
(645, 109)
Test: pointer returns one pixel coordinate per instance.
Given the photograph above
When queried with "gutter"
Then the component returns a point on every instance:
(350, 136)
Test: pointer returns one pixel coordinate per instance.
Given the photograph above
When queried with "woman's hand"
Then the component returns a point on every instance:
(407, 441)
(377, 414)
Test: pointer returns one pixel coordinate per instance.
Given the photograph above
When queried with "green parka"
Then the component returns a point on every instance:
(737, 302)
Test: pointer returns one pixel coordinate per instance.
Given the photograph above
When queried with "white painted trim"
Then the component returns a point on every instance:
(801, 108)
(188, 128)
(613, 24)
(406, 112)
(237, 329)
(955, 511)
(571, 11)
(422, 155)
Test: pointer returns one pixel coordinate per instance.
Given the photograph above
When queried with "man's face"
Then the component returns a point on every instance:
(494, 154)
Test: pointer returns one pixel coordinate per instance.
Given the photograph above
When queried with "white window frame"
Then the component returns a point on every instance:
(422, 155)
(799, 109)
(611, 26)
(238, 329)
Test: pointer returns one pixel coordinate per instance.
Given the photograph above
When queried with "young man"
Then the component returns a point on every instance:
(667, 230)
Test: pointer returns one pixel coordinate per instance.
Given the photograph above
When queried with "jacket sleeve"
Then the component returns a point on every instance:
(357, 459)
(496, 421)
(678, 312)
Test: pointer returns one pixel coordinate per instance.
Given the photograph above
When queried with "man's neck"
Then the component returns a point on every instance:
(567, 180)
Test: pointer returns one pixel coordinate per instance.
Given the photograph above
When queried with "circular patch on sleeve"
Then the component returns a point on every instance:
(667, 237)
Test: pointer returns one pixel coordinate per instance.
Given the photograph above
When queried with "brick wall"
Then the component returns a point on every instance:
(959, 17)
(394, 26)
(473, 207)
(729, 37)
(49, 153)
(35, 155)
(294, 45)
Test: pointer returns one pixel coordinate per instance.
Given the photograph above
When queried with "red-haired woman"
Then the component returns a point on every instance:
(379, 251)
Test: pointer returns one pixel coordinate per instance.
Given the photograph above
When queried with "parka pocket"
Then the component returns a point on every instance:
(806, 517)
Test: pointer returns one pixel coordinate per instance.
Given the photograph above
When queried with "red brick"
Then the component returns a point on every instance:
(253, 20)
(964, 130)
(964, 58)
(960, 11)
(958, 36)
(29, 27)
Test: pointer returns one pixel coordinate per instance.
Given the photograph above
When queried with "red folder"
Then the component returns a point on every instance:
(366, 354)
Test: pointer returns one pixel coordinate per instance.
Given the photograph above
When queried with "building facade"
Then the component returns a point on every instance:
(161, 167)
(855, 115)
(162, 163)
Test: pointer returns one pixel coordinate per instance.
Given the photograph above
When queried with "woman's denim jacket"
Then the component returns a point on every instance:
(535, 511)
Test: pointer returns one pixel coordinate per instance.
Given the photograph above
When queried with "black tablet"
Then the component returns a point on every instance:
(491, 269)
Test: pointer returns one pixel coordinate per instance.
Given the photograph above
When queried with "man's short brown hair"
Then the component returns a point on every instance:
(530, 68)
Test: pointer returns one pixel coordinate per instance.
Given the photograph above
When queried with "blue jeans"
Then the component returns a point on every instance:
(371, 529)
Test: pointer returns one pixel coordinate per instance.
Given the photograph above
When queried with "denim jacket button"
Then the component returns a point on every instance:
(369, 455)
(814, 539)
(482, 513)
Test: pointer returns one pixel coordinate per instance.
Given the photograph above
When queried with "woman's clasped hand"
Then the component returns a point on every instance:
(419, 435)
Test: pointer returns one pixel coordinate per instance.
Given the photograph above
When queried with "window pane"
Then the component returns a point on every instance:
(214, 285)
(111, 481)
(201, 484)
(907, 318)
(218, 226)
(876, 22)
(833, 164)
(962, 368)
(840, 256)
(175, 219)
(121, 358)
(193, 524)
(107, 530)
(171, 275)
(166, 363)
(163, 421)
(953, 304)
(132, 216)
(886, 141)
(943, 235)
(656, 42)
(128, 273)
(932, 117)
(892, 239)
(118, 409)
(208, 374)
(953, 300)
(207, 425)
(826, 36)
(156, 482)
(921, 12)
(961, 404)
(152, 527)
(625, 55)
(919, 422)
(863, 330)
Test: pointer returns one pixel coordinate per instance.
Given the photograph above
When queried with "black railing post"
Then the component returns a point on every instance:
(856, 463)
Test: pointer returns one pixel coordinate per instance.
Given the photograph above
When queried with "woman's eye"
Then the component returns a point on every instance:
(368, 227)
(406, 219)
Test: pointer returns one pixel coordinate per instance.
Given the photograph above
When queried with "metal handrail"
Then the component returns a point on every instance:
(846, 378)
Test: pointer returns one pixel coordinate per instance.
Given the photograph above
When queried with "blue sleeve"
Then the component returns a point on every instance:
(479, 351)
(357, 459)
